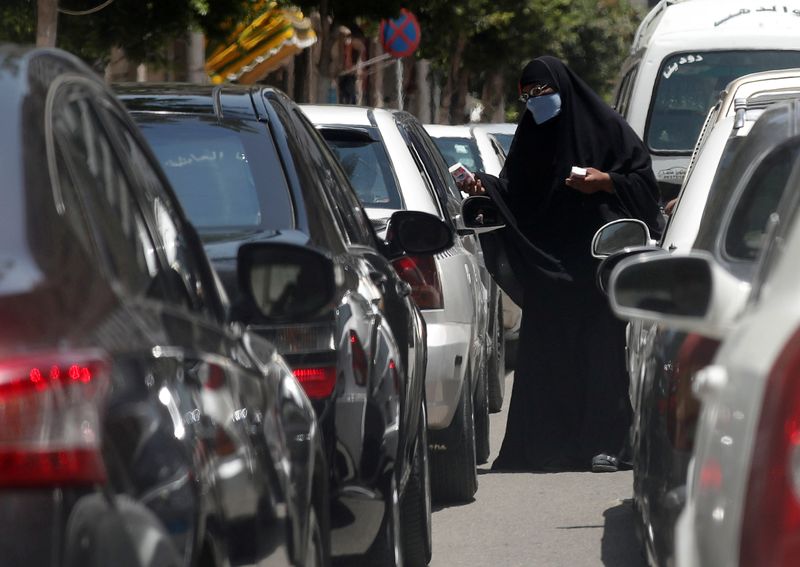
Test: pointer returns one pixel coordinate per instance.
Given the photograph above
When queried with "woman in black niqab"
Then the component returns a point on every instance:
(569, 401)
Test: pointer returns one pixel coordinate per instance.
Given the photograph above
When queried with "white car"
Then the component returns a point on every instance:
(478, 149)
(706, 291)
(502, 131)
(661, 358)
(393, 165)
(683, 55)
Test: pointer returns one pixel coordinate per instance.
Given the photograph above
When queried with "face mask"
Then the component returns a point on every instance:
(544, 107)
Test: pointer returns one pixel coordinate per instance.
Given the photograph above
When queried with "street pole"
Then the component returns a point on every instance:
(46, 23)
(399, 74)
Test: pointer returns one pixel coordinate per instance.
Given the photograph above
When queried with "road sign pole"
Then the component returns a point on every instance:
(399, 73)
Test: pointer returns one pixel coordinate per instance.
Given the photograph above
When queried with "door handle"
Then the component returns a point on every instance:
(403, 288)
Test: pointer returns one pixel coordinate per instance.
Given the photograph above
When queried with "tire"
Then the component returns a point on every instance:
(454, 475)
(481, 405)
(497, 359)
(387, 549)
(415, 507)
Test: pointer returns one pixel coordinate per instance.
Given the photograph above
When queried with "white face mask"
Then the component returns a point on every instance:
(544, 107)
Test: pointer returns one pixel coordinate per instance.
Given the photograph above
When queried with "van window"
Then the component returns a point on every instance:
(689, 84)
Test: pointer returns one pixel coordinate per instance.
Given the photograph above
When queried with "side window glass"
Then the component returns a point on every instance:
(184, 276)
(744, 236)
(344, 197)
(121, 234)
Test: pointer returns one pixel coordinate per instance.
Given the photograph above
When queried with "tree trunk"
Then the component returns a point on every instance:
(324, 80)
(459, 113)
(493, 97)
(443, 116)
(46, 23)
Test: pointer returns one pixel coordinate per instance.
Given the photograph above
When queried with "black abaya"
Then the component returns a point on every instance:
(569, 401)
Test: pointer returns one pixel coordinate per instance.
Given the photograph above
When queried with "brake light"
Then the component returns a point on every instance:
(359, 360)
(770, 534)
(317, 382)
(50, 419)
(683, 408)
(421, 273)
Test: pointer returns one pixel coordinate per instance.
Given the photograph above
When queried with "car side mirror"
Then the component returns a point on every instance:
(288, 282)
(416, 233)
(607, 264)
(690, 292)
(481, 214)
(619, 234)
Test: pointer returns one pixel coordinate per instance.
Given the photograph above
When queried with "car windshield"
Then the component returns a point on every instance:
(505, 140)
(219, 170)
(463, 150)
(369, 170)
(690, 83)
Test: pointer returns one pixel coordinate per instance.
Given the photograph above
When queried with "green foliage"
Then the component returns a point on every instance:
(141, 27)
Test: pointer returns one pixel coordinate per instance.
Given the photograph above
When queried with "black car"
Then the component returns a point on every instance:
(249, 167)
(140, 427)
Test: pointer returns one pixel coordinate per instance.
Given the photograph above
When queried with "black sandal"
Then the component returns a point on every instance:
(605, 463)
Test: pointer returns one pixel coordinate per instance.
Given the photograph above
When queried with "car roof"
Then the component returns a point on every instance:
(449, 131)
(766, 86)
(734, 23)
(341, 114)
(497, 127)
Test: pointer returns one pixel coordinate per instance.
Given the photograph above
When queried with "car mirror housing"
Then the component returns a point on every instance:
(287, 282)
(481, 214)
(416, 233)
(607, 264)
(690, 292)
(619, 234)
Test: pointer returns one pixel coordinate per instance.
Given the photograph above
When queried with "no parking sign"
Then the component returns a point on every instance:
(400, 36)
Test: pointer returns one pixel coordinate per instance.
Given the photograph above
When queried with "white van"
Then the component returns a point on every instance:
(684, 53)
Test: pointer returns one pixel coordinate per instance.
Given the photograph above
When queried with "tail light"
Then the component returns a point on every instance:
(359, 360)
(317, 382)
(683, 408)
(770, 534)
(421, 273)
(50, 419)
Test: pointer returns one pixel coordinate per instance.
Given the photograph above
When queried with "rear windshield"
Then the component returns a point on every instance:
(463, 150)
(367, 165)
(226, 174)
(690, 83)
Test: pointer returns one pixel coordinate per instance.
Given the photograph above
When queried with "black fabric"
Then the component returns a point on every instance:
(569, 401)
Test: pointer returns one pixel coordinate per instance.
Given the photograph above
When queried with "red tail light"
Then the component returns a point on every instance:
(771, 525)
(421, 273)
(317, 382)
(50, 419)
(359, 359)
(683, 409)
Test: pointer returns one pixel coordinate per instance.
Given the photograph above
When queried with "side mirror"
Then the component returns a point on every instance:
(288, 282)
(619, 234)
(687, 292)
(416, 233)
(607, 265)
(481, 214)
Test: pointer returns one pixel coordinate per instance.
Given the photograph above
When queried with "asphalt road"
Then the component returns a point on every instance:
(531, 519)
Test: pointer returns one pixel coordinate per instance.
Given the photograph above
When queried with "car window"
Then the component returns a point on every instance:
(226, 173)
(187, 279)
(464, 150)
(744, 236)
(689, 84)
(367, 165)
(121, 234)
(323, 226)
(344, 198)
(626, 88)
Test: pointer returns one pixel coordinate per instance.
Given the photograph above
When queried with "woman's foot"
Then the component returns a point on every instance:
(605, 463)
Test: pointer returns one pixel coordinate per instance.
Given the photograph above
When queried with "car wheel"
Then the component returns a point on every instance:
(497, 359)
(315, 548)
(454, 475)
(387, 549)
(481, 404)
(415, 507)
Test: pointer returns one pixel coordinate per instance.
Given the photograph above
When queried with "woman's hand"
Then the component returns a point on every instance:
(472, 187)
(594, 182)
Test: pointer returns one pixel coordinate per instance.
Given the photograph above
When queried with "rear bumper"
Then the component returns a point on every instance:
(448, 354)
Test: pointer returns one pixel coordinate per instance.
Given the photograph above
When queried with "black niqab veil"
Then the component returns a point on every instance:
(569, 400)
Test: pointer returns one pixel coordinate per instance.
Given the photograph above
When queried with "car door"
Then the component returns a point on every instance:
(225, 396)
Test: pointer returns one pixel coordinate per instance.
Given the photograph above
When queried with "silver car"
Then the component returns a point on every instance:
(394, 165)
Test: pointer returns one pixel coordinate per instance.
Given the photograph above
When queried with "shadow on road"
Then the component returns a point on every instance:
(620, 546)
